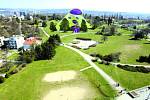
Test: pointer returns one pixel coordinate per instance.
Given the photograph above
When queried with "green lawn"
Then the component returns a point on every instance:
(28, 85)
(130, 49)
(13, 56)
(129, 80)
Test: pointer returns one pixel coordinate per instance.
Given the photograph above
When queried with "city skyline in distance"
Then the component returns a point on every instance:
(138, 6)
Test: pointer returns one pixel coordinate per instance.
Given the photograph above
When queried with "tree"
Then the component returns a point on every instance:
(64, 25)
(103, 29)
(44, 24)
(83, 26)
(109, 21)
(42, 17)
(149, 25)
(36, 22)
(53, 27)
(104, 38)
(138, 35)
(96, 22)
(112, 30)
(2, 79)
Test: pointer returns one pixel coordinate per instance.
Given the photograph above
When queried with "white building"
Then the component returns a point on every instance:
(14, 42)
(1, 41)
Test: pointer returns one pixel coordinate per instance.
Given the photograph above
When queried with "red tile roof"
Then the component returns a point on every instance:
(30, 41)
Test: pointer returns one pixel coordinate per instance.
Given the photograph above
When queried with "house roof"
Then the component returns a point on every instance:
(30, 41)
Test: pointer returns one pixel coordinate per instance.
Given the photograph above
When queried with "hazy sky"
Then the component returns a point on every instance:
(101, 5)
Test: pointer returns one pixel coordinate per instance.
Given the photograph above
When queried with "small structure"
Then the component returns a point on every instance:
(1, 41)
(137, 94)
(83, 44)
(75, 29)
(14, 42)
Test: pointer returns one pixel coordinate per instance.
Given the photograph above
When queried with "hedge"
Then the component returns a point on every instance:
(134, 69)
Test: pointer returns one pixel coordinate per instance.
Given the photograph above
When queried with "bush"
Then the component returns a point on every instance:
(112, 57)
(144, 59)
(2, 79)
(7, 75)
(105, 62)
(142, 69)
(134, 69)
(23, 65)
(15, 71)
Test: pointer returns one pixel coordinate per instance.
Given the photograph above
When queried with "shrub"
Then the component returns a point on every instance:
(15, 71)
(94, 59)
(134, 69)
(2, 79)
(23, 65)
(7, 75)
(112, 57)
(144, 59)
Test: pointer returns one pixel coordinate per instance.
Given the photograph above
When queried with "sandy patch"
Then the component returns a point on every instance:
(132, 47)
(66, 93)
(60, 76)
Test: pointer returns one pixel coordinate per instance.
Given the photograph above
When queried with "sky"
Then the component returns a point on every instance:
(142, 6)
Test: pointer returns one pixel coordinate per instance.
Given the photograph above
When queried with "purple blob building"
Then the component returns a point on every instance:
(76, 12)
(75, 29)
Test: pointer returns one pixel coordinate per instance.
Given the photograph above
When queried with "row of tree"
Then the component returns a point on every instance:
(64, 26)
(140, 34)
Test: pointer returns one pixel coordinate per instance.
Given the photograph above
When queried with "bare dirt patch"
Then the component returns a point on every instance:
(60, 76)
(132, 47)
(67, 93)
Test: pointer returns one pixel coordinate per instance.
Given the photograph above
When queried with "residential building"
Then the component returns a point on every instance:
(31, 41)
(14, 42)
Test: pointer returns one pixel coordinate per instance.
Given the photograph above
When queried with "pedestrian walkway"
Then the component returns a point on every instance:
(100, 71)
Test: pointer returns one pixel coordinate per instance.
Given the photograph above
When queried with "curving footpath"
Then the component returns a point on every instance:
(88, 59)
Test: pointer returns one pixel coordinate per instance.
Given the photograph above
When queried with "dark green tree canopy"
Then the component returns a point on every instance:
(53, 26)
(64, 25)
(84, 26)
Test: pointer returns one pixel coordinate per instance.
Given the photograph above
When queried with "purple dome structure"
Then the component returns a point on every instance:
(76, 12)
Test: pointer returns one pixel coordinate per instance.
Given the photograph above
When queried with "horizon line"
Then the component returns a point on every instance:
(80, 9)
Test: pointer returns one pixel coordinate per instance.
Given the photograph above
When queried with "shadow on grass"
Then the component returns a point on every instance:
(147, 43)
(134, 39)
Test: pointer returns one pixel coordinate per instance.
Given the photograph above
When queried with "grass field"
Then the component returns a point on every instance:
(129, 80)
(13, 56)
(130, 49)
(28, 85)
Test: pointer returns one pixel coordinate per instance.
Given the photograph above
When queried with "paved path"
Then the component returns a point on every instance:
(88, 59)
(100, 71)
(44, 32)
(85, 68)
